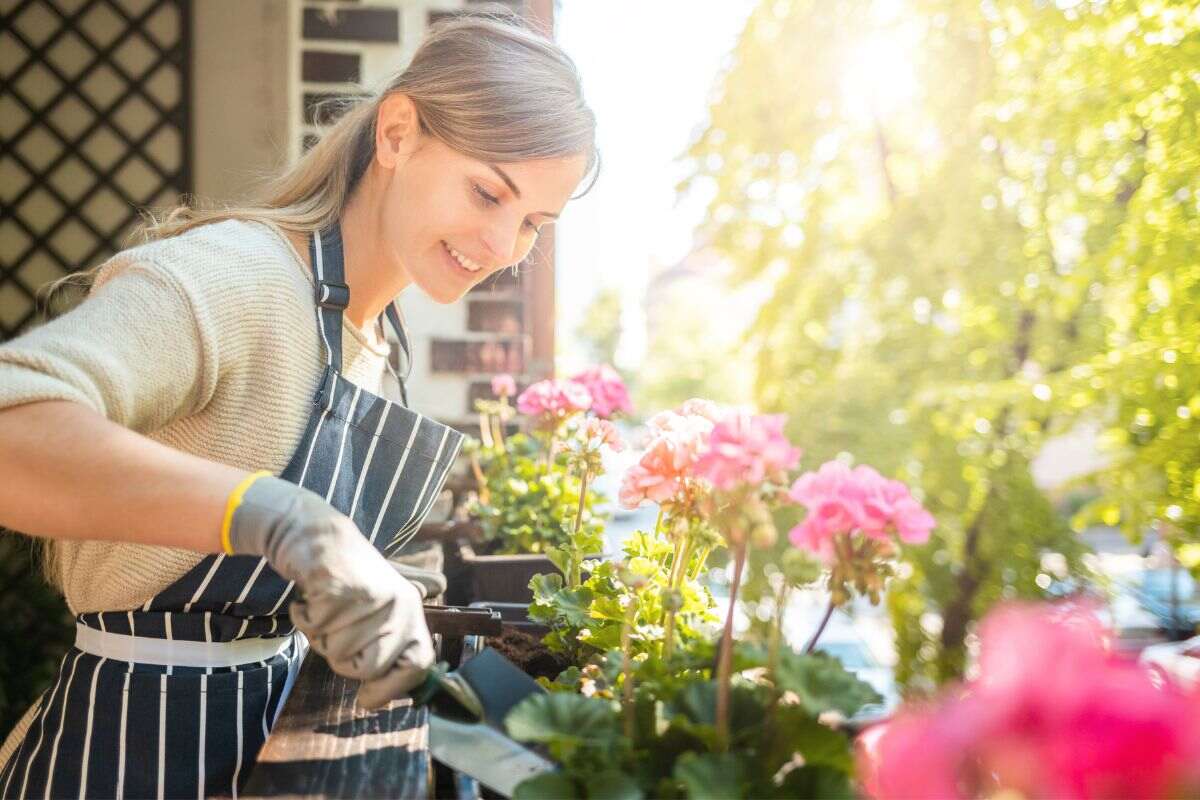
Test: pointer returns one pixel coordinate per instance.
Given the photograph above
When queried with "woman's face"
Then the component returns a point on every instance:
(450, 221)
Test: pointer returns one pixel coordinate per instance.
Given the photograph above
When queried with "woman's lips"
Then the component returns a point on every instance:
(459, 267)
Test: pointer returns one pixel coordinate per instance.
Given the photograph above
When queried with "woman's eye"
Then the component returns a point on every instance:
(494, 201)
(486, 197)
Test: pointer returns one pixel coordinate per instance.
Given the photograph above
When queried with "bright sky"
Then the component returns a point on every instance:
(648, 68)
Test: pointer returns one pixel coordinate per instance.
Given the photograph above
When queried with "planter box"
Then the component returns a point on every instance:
(483, 578)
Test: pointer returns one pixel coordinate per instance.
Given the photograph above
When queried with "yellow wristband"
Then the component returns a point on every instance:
(235, 500)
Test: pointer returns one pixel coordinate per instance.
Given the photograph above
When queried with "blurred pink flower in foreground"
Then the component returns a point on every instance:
(841, 500)
(504, 385)
(554, 399)
(746, 449)
(608, 391)
(680, 436)
(1053, 713)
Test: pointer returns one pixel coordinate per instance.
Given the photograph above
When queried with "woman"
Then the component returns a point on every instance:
(204, 443)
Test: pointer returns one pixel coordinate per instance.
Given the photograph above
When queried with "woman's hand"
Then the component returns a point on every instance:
(355, 609)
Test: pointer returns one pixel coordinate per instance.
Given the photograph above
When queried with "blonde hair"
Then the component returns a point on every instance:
(483, 83)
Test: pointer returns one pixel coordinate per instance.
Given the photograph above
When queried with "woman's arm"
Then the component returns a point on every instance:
(67, 472)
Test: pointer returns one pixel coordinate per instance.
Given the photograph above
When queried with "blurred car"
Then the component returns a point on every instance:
(1171, 596)
(1178, 662)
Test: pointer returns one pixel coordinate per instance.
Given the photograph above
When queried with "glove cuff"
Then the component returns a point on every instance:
(231, 505)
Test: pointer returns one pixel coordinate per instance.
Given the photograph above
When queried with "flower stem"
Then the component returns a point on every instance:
(480, 480)
(576, 553)
(773, 647)
(773, 643)
(485, 430)
(699, 567)
(497, 432)
(812, 643)
(627, 709)
(725, 658)
(679, 571)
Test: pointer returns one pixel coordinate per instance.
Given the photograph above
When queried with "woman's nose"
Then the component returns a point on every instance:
(501, 242)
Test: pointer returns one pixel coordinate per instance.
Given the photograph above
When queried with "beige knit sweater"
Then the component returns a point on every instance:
(206, 342)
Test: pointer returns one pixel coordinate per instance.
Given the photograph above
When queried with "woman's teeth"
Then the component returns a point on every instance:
(466, 263)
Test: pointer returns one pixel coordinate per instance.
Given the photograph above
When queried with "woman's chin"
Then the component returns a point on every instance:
(443, 292)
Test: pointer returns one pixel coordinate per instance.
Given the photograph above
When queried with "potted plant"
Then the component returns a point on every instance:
(661, 702)
(531, 495)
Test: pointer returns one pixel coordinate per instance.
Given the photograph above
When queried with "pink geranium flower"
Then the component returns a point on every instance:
(658, 476)
(504, 385)
(668, 464)
(596, 433)
(746, 449)
(841, 500)
(553, 399)
(1053, 713)
(608, 391)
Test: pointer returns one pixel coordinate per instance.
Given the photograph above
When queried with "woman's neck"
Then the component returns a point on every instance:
(373, 271)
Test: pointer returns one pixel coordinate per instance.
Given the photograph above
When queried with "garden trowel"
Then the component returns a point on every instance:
(466, 721)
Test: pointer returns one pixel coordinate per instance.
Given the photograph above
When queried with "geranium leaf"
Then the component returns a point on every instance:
(563, 719)
(710, 776)
(547, 786)
(613, 785)
(822, 683)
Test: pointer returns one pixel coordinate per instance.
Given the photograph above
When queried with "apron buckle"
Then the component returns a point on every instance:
(331, 294)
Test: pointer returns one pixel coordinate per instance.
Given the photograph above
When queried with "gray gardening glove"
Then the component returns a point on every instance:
(356, 610)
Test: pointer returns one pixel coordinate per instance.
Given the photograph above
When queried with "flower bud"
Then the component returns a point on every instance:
(763, 534)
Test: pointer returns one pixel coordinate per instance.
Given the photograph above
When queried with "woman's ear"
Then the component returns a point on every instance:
(395, 129)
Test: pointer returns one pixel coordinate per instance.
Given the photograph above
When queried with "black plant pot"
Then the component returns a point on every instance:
(476, 577)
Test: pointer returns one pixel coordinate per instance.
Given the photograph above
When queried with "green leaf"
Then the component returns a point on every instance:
(560, 558)
(570, 719)
(798, 731)
(822, 683)
(697, 702)
(710, 776)
(613, 785)
(547, 786)
(546, 585)
(813, 781)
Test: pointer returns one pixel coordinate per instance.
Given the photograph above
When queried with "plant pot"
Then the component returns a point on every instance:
(519, 641)
(480, 577)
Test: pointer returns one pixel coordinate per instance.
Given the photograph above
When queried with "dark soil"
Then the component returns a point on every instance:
(527, 652)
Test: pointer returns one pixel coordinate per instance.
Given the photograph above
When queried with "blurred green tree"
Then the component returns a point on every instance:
(979, 222)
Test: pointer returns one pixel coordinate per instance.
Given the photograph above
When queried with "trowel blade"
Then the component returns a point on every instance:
(484, 753)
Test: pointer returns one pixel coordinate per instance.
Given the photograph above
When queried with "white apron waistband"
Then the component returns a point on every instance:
(177, 652)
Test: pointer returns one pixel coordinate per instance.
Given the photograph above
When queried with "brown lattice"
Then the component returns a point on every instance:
(94, 125)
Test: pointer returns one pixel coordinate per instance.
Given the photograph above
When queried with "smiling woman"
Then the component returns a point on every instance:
(219, 478)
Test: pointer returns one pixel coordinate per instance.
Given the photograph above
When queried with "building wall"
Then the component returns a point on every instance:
(243, 69)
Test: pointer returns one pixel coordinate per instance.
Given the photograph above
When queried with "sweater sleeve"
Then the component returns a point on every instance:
(135, 350)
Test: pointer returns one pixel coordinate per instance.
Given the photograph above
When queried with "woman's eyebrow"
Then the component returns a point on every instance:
(513, 187)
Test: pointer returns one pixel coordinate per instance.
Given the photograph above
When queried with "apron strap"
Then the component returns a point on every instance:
(332, 293)
(393, 315)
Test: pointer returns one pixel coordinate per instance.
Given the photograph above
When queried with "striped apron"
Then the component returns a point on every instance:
(175, 698)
